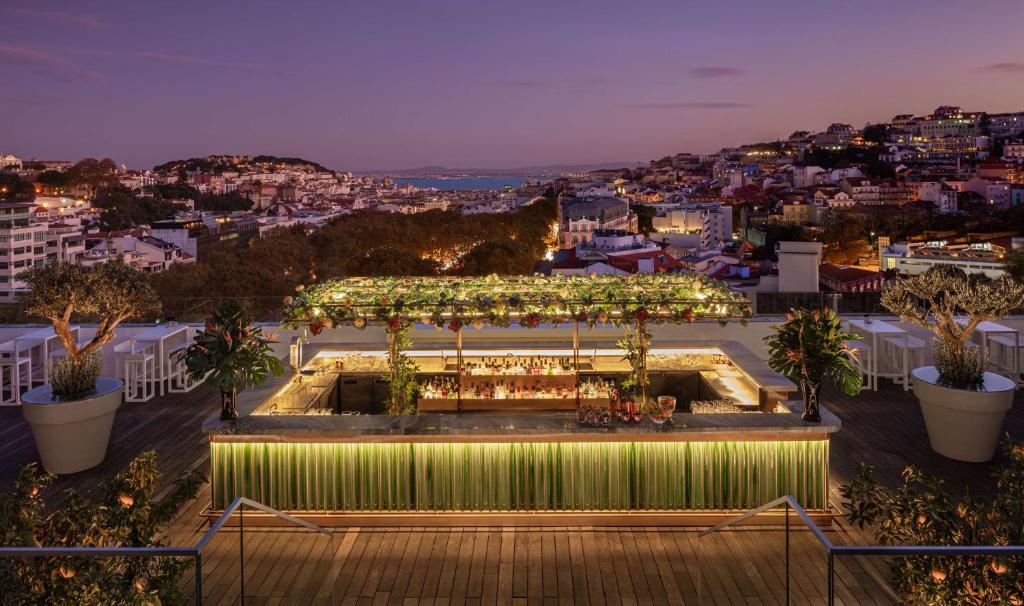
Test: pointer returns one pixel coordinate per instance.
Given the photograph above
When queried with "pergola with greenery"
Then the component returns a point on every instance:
(632, 301)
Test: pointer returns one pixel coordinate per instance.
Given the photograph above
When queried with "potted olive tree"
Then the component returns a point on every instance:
(962, 404)
(811, 348)
(230, 354)
(71, 416)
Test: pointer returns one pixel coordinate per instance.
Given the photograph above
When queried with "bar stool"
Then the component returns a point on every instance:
(15, 374)
(899, 353)
(178, 381)
(139, 375)
(1005, 355)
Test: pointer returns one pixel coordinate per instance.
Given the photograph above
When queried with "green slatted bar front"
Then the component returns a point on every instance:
(519, 476)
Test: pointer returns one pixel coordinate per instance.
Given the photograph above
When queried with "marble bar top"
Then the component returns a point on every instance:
(525, 427)
(521, 427)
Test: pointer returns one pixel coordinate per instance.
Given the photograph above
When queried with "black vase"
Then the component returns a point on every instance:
(228, 411)
(811, 392)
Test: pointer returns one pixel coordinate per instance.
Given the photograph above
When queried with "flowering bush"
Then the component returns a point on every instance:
(126, 515)
(922, 512)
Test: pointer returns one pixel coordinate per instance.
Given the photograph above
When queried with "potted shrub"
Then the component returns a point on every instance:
(922, 512)
(811, 348)
(123, 513)
(962, 404)
(230, 354)
(71, 416)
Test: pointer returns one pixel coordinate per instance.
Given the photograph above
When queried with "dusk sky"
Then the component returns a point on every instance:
(399, 84)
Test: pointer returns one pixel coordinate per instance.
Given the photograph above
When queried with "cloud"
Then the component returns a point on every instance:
(708, 73)
(573, 82)
(690, 105)
(203, 62)
(1014, 67)
(57, 17)
(43, 64)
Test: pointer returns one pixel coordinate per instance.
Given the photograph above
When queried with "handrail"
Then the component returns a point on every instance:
(195, 551)
(834, 551)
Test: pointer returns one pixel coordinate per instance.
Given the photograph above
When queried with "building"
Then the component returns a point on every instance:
(203, 234)
(145, 253)
(1006, 126)
(614, 252)
(10, 162)
(64, 242)
(797, 212)
(798, 266)
(580, 217)
(693, 224)
(912, 259)
(950, 121)
(22, 245)
(843, 278)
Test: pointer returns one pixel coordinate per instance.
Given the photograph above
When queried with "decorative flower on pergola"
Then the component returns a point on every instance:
(528, 301)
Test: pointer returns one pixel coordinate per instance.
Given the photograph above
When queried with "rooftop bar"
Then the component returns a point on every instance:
(512, 425)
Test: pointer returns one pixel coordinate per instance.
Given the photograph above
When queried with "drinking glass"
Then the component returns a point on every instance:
(661, 410)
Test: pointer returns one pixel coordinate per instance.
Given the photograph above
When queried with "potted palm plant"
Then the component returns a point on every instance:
(72, 415)
(231, 354)
(963, 405)
(809, 349)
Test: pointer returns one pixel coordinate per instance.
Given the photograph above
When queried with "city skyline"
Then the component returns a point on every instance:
(453, 84)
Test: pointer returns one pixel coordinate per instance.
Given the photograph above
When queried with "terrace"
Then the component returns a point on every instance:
(647, 549)
(487, 564)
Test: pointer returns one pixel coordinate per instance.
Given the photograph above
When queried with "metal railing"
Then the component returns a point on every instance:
(195, 552)
(833, 551)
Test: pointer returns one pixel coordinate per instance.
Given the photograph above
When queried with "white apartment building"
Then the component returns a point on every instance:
(948, 121)
(64, 242)
(22, 245)
(694, 224)
(580, 217)
(145, 253)
(911, 259)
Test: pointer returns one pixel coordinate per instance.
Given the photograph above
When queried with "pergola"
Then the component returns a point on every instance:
(399, 303)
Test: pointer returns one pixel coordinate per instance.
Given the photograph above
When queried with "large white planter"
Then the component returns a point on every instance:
(72, 436)
(963, 424)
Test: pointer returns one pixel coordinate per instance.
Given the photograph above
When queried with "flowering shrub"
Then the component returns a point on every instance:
(923, 512)
(125, 515)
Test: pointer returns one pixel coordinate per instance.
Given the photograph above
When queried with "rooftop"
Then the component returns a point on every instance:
(573, 564)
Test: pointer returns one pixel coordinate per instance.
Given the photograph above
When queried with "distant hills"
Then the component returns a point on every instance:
(224, 162)
(523, 171)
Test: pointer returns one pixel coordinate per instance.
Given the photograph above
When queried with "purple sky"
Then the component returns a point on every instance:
(381, 84)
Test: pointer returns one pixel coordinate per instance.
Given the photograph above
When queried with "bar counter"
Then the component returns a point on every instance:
(495, 464)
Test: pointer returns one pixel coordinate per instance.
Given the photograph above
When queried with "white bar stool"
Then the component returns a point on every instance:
(900, 354)
(1005, 355)
(178, 381)
(15, 374)
(139, 377)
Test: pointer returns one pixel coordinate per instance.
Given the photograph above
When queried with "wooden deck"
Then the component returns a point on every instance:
(574, 565)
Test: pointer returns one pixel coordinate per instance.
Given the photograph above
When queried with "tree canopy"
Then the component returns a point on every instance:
(15, 189)
(91, 175)
(368, 243)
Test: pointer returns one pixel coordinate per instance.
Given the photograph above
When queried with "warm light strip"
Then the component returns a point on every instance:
(530, 476)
